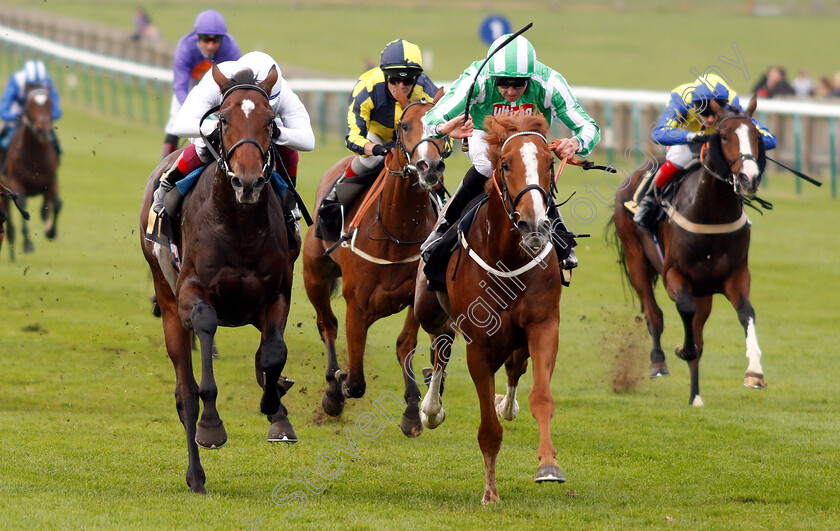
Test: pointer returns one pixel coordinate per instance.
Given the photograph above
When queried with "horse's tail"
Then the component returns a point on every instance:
(611, 236)
(334, 285)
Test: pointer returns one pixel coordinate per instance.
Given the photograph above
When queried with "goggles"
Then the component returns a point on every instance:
(515, 82)
(209, 38)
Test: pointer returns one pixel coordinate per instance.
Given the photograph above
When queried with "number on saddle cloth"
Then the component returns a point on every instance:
(435, 268)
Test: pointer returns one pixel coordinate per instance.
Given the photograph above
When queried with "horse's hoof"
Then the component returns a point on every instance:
(433, 421)
(490, 496)
(549, 473)
(658, 370)
(28, 248)
(685, 356)
(282, 431)
(331, 407)
(754, 380)
(411, 426)
(50, 234)
(210, 437)
(349, 392)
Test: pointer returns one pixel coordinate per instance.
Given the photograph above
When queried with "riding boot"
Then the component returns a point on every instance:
(329, 224)
(167, 183)
(645, 216)
(470, 187)
(564, 241)
(170, 144)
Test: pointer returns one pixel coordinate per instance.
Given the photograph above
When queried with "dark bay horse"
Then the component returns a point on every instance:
(504, 286)
(704, 244)
(236, 268)
(31, 164)
(378, 266)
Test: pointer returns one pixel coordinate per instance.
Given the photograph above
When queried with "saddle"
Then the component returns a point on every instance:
(339, 199)
(436, 265)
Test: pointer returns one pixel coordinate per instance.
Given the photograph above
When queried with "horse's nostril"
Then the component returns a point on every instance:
(236, 182)
(524, 227)
(423, 165)
(441, 166)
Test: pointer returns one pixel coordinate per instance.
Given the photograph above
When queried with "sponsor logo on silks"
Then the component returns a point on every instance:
(527, 109)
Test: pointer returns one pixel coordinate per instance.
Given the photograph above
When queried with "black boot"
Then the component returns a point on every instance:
(470, 187)
(167, 183)
(564, 241)
(646, 214)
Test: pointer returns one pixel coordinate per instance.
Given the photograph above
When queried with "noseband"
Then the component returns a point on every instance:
(504, 193)
(223, 157)
(409, 169)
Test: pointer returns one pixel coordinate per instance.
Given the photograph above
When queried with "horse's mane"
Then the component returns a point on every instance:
(246, 76)
(500, 128)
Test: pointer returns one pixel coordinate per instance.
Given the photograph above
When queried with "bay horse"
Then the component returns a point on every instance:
(503, 294)
(704, 244)
(236, 267)
(378, 266)
(31, 166)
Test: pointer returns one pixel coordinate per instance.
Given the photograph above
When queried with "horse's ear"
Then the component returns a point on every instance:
(438, 94)
(219, 77)
(751, 106)
(270, 80)
(716, 108)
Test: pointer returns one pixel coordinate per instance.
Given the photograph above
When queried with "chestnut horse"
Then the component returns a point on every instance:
(31, 164)
(503, 294)
(236, 267)
(378, 266)
(704, 244)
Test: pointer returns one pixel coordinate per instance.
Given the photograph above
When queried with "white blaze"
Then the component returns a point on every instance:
(749, 167)
(532, 176)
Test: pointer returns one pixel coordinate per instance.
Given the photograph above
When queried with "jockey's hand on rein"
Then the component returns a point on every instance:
(697, 138)
(380, 150)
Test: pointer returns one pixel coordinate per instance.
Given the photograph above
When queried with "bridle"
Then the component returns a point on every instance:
(41, 133)
(409, 169)
(509, 203)
(223, 157)
(731, 179)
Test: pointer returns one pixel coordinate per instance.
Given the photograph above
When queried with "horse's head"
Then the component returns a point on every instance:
(741, 147)
(420, 155)
(246, 121)
(522, 163)
(37, 112)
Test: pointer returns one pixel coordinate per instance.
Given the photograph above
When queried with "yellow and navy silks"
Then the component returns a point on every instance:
(372, 108)
(679, 117)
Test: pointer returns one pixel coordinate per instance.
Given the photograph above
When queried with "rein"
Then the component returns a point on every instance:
(504, 193)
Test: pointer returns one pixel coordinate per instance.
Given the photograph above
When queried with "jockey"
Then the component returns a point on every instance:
(293, 131)
(32, 75)
(209, 41)
(683, 128)
(374, 110)
(513, 82)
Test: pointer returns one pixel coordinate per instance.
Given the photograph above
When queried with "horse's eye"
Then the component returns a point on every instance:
(723, 138)
(505, 166)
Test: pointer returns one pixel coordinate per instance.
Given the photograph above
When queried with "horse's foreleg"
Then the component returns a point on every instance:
(737, 290)
(687, 308)
(542, 345)
(406, 345)
(51, 226)
(506, 405)
(357, 326)
(28, 246)
(273, 354)
(641, 273)
(489, 430)
(186, 391)
(318, 282)
(432, 413)
(211, 432)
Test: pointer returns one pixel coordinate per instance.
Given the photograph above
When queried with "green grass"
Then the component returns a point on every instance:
(87, 419)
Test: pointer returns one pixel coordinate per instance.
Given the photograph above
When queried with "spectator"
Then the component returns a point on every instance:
(824, 88)
(143, 27)
(775, 85)
(209, 41)
(802, 86)
(836, 85)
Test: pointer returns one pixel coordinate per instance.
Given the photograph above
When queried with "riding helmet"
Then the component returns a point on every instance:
(517, 59)
(35, 71)
(210, 22)
(401, 58)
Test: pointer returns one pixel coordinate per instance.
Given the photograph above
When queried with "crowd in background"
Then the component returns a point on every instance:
(774, 84)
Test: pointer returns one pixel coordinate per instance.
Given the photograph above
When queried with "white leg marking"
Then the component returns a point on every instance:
(506, 406)
(698, 402)
(753, 350)
(432, 413)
